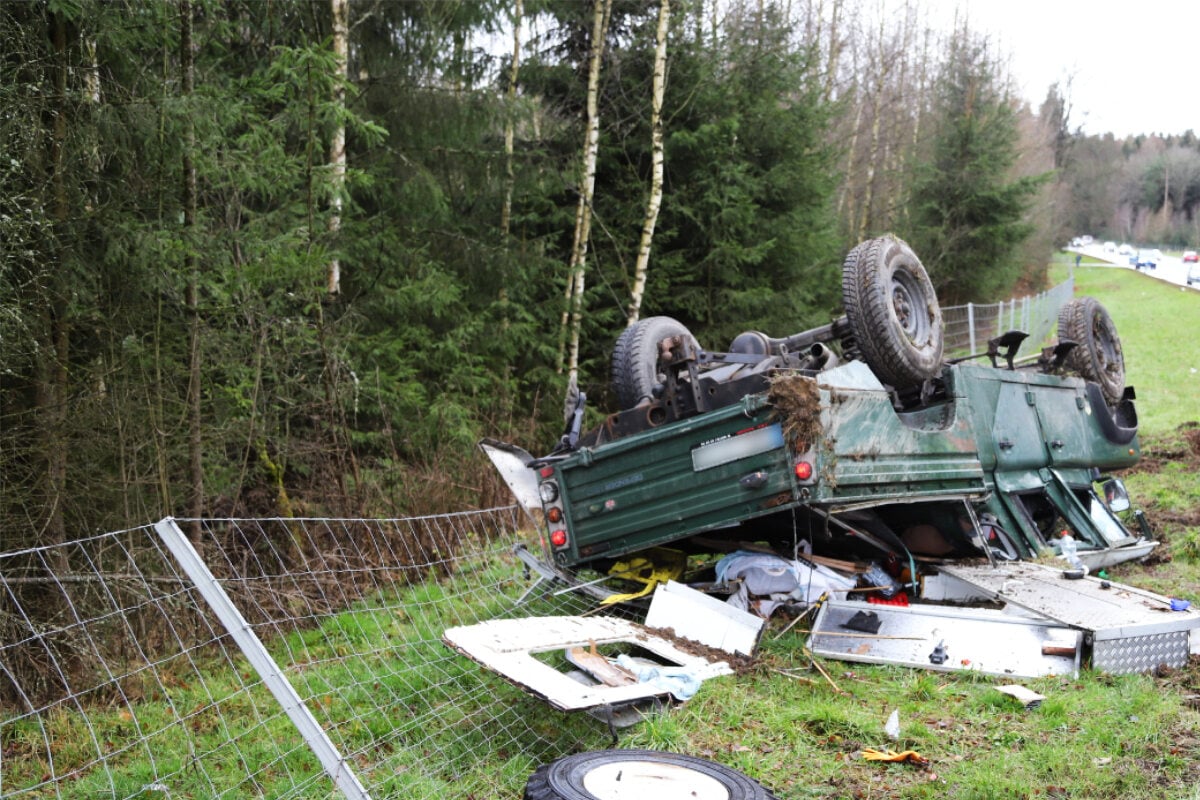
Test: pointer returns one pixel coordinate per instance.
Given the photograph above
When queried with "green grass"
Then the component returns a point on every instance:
(424, 723)
(1095, 736)
(1159, 325)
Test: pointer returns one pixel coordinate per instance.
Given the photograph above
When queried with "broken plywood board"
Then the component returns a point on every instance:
(508, 647)
(973, 639)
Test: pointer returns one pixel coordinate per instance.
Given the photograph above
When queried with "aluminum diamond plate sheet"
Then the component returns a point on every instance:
(1141, 653)
(1118, 612)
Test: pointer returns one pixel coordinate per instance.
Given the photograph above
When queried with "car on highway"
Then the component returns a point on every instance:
(1124, 250)
(1110, 247)
(1190, 257)
(1148, 259)
(1193, 274)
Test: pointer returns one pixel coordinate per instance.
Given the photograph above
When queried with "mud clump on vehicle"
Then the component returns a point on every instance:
(797, 404)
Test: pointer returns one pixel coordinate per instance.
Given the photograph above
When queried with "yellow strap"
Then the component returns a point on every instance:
(658, 565)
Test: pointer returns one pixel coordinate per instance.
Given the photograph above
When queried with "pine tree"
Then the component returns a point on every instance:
(968, 214)
(746, 234)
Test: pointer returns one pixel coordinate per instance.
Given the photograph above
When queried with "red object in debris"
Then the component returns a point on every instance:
(899, 600)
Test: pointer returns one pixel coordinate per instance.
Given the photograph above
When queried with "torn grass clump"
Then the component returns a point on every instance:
(797, 404)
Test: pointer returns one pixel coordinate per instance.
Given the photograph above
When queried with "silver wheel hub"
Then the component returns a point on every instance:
(638, 780)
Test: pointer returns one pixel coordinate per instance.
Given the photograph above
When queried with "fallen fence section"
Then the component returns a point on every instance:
(282, 657)
(256, 653)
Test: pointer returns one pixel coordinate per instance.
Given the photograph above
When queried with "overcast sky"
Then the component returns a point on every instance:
(1134, 66)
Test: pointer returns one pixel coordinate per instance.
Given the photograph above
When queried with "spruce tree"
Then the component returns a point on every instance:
(968, 214)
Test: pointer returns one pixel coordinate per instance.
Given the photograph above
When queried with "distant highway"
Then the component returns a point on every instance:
(1171, 269)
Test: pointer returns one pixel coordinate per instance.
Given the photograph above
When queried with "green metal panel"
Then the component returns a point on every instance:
(869, 451)
(997, 428)
(646, 489)
(1029, 420)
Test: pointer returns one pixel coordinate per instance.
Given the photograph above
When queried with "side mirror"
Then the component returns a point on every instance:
(1115, 495)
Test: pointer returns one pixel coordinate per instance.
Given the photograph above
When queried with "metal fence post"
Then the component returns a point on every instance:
(256, 653)
(971, 324)
(1000, 319)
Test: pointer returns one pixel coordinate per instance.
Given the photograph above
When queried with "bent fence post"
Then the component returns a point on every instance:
(256, 653)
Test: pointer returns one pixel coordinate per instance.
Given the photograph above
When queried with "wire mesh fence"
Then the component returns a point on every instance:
(118, 680)
(968, 328)
(121, 676)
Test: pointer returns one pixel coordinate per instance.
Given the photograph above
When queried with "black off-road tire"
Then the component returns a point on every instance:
(893, 312)
(614, 774)
(635, 358)
(1099, 357)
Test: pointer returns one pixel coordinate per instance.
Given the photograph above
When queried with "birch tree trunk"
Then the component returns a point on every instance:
(573, 314)
(882, 69)
(510, 123)
(654, 202)
(835, 52)
(337, 147)
(845, 200)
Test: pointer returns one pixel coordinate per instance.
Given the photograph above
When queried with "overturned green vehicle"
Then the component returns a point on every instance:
(884, 452)
(956, 505)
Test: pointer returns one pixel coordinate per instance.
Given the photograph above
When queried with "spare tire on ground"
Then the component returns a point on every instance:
(635, 358)
(893, 312)
(1098, 357)
(628, 774)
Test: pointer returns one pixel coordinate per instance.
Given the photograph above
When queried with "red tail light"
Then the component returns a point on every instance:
(558, 538)
(804, 470)
(554, 514)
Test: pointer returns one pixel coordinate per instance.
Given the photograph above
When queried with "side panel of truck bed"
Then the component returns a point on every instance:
(869, 452)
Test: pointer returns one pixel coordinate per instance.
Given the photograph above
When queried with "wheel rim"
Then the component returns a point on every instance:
(1107, 352)
(907, 305)
(635, 780)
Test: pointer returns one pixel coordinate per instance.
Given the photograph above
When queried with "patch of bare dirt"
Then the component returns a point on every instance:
(1191, 435)
(1170, 449)
(1180, 447)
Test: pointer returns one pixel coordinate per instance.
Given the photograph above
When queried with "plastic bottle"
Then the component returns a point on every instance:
(1070, 551)
(876, 576)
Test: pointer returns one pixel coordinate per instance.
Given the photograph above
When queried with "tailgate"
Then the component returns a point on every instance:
(695, 475)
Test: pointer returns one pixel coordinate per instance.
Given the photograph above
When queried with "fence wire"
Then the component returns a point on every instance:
(968, 328)
(117, 681)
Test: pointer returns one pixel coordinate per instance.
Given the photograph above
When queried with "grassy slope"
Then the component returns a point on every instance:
(1159, 326)
(801, 729)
